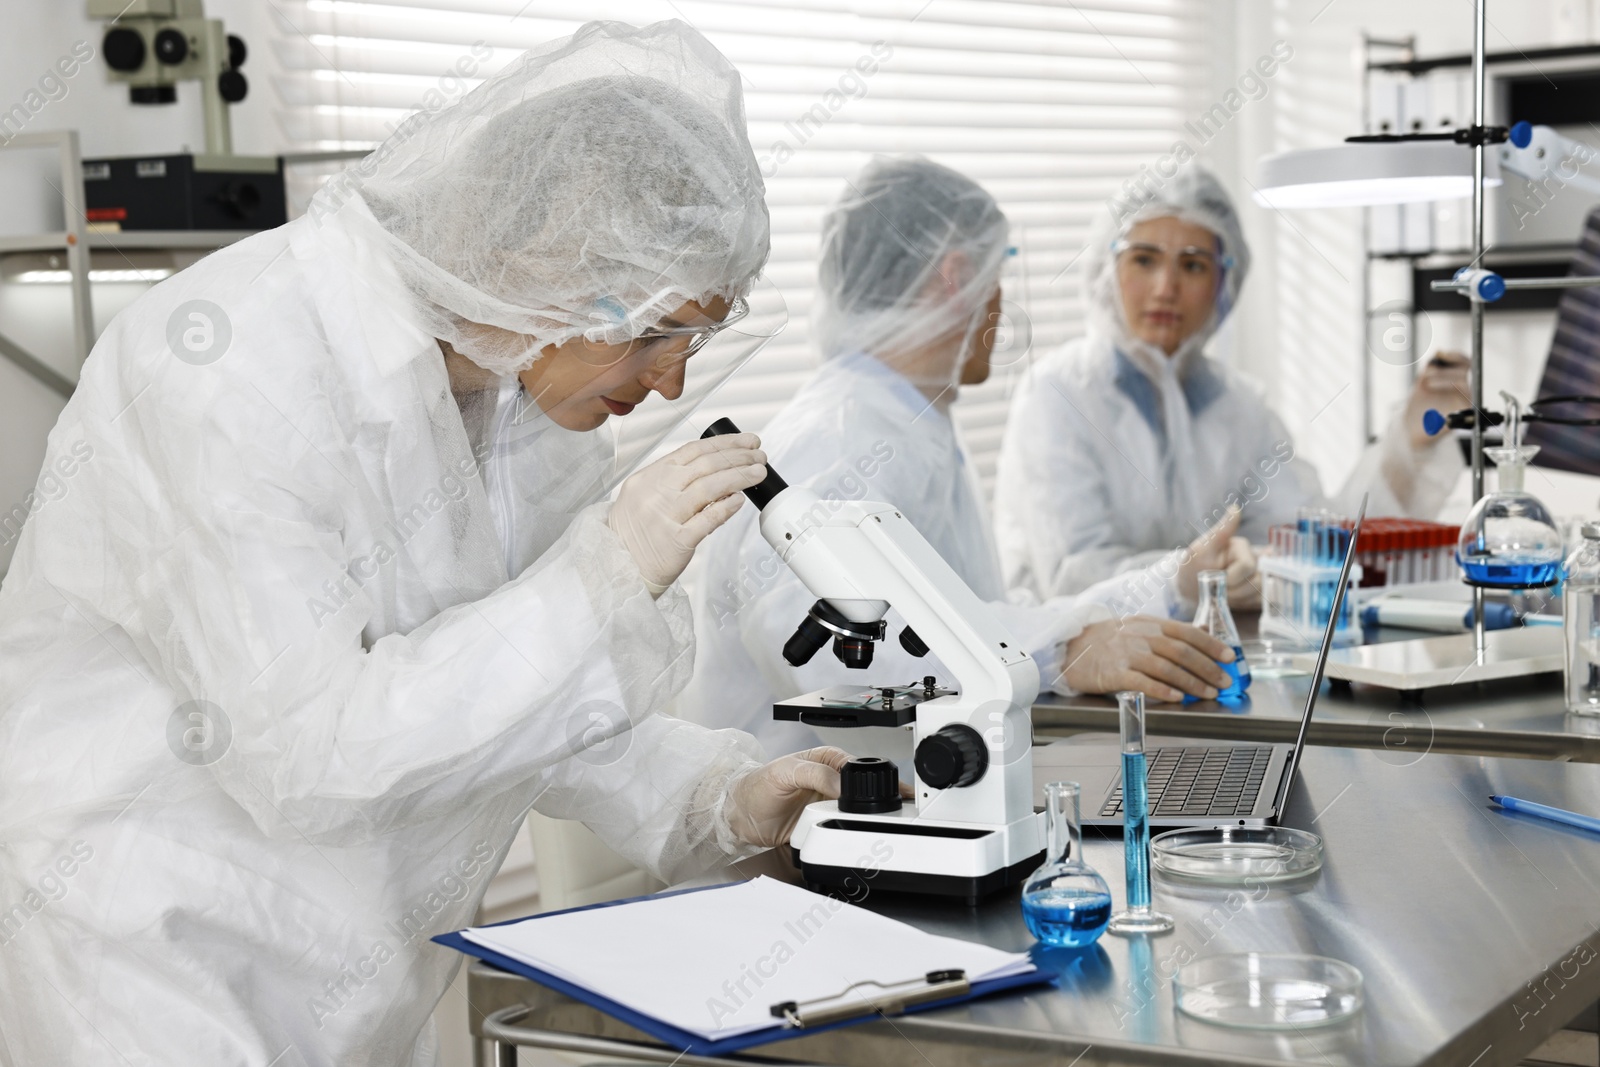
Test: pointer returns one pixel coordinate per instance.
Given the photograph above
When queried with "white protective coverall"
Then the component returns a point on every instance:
(270, 709)
(1115, 454)
(911, 256)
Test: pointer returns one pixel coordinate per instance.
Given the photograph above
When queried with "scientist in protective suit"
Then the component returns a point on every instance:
(908, 290)
(1131, 440)
(334, 594)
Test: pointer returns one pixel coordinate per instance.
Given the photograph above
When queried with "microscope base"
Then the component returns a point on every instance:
(855, 882)
(901, 852)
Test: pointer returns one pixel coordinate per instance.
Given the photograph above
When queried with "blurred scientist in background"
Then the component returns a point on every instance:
(1131, 441)
(908, 293)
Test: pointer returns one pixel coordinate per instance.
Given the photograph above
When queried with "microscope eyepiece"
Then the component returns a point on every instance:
(760, 495)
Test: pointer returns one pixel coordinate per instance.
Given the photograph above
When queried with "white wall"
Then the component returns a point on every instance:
(33, 34)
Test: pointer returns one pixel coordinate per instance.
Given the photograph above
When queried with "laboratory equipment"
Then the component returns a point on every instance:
(1268, 991)
(1138, 917)
(1210, 785)
(1439, 616)
(1580, 597)
(1236, 855)
(1509, 540)
(1065, 902)
(970, 829)
(1300, 575)
(1395, 551)
(154, 44)
(1214, 618)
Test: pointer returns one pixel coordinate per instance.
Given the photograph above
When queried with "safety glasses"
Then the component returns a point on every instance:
(1146, 258)
(665, 345)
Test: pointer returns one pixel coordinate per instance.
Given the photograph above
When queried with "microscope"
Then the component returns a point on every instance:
(970, 828)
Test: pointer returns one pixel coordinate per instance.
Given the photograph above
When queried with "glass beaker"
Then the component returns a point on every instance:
(1215, 619)
(1509, 540)
(1139, 918)
(1065, 902)
(1580, 609)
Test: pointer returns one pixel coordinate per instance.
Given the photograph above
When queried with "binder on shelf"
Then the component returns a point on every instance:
(845, 1002)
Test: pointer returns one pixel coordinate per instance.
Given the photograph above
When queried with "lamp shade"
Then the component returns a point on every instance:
(1360, 173)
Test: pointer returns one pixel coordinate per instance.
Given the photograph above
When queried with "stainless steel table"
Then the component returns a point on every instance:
(1478, 933)
(1514, 717)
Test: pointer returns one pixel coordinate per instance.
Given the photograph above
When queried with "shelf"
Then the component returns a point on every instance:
(203, 240)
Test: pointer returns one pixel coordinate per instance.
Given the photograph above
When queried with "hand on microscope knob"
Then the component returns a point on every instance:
(763, 807)
(1162, 658)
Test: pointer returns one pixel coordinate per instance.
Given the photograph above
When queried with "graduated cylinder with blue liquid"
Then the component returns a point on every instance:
(1065, 902)
(1215, 619)
(1138, 917)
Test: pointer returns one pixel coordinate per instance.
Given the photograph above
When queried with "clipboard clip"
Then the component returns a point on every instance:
(891, 999)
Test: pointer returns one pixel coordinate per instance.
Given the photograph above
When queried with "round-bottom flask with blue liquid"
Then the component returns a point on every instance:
(1509, 540)
(1065, 903)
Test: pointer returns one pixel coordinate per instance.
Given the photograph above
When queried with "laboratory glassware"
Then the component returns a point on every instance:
(1065, 902)
(1139, 917)
(1215, 619)
(1268, 991)
(1509, 540)
(1580, 600)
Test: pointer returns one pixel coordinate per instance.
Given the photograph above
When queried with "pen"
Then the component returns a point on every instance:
(1545, 811)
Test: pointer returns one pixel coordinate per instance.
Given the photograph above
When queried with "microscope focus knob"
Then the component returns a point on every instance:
(869, 785)
(953, 757)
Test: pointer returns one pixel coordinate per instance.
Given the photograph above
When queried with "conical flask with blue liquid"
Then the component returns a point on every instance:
(1215, 619)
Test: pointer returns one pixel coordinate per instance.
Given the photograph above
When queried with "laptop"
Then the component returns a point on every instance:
(1199, 783)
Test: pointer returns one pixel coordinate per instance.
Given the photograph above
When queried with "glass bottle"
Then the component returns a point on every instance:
(1509, 540)
(1065, 902)
(1138, 918)
(1580, 608)
(1215, 619)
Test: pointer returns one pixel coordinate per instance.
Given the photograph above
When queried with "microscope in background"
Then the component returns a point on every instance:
(152, 45)
(971, 828)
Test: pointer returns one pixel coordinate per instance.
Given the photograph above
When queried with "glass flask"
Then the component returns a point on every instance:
(1065, 902)
(1139, 918)
(1580, 608)
(1215, 619)
(1509, 540)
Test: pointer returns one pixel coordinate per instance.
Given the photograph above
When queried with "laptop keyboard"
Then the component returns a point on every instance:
(1200, 782)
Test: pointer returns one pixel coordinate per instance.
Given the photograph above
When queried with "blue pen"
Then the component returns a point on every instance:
(1545, 811)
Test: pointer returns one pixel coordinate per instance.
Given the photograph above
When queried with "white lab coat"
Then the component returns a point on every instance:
(1088, 486)
(297, 535)
(856, 430)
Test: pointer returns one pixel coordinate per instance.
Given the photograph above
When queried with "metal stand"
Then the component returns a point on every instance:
(1479, 16)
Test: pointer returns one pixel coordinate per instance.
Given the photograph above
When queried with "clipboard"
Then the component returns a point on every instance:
(854, 1005)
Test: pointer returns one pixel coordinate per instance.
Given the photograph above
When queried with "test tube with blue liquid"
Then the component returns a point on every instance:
(1139, 917)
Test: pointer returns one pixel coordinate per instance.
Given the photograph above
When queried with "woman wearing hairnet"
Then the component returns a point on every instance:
(333, 596)
(1127, 444)
(907, 290)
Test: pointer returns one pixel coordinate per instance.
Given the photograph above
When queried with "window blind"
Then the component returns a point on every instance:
(1050, 104)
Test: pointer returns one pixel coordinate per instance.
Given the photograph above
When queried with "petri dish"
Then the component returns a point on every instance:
(1264, 991)
(1235, 855)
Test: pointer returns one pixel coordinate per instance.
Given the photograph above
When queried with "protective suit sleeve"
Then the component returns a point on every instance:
(1402, 480)
(1063, 517)
(335, 742)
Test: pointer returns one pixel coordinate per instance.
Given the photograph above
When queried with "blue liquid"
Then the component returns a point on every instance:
(1136, 829)
(1066, 918)
(1511, 574)
(1239, 671)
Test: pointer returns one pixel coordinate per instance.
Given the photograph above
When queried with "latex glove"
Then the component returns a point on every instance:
(1211, 551)
(666, 509)
(1244, 587)
(1444, 384)
(1162, 658)
(763, 806)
